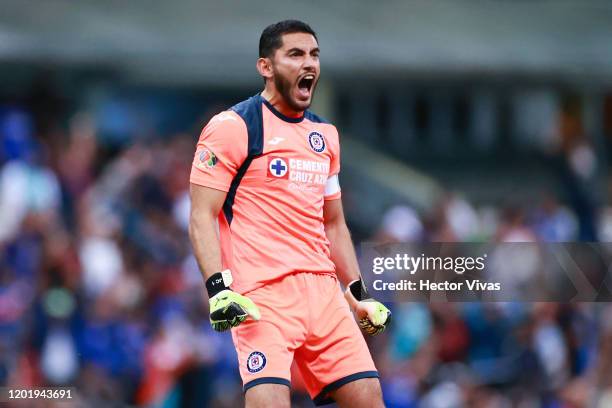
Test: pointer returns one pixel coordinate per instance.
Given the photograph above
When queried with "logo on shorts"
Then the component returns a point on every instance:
(256, 362)
(208, 159)
(316, 141)
(277, 167)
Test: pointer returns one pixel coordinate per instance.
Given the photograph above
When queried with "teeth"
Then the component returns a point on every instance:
(309, 76)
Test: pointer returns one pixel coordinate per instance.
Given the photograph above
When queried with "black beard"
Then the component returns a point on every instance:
(283, 86)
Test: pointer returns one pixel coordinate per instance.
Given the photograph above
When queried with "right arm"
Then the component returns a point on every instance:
(206, 204)
(220, 151)
(227, 308)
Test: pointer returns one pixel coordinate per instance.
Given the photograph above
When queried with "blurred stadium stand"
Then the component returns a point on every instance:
(461, 121)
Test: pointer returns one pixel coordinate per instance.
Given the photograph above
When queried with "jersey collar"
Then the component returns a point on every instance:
(279, 114)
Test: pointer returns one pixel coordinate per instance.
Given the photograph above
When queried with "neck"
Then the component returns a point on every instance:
(275, 99)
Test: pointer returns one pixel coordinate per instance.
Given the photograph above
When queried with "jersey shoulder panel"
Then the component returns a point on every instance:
(250, 112)
(315, 118)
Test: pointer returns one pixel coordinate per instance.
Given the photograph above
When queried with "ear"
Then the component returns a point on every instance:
(264, 67)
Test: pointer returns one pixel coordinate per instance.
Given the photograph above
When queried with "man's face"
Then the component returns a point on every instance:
(296, 69)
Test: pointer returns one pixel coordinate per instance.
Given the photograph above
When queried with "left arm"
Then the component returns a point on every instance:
(373, 316)
(341, 245)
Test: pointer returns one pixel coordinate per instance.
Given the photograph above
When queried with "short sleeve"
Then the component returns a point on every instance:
(334, 165)
(332, 187)
(221, 150)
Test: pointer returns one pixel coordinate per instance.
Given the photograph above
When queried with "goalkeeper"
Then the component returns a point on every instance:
(269, 234)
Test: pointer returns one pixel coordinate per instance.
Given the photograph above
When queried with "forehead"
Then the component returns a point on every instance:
(298, 40)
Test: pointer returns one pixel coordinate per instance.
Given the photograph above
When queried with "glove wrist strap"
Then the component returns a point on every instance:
(218, 282)
(358, 290)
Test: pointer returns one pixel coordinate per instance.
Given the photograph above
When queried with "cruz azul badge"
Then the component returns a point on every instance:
(256, 362)
(316, 142)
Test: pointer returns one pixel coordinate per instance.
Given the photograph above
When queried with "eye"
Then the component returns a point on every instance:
(295, 53)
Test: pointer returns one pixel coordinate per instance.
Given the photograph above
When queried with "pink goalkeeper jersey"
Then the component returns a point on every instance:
(277, 172)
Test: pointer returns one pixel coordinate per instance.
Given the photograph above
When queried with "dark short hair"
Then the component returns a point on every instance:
(271, 37)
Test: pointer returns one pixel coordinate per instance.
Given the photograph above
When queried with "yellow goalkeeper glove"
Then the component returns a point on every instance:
(227, 308)
(372, 315)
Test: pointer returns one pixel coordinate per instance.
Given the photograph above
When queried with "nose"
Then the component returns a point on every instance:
(310, 62)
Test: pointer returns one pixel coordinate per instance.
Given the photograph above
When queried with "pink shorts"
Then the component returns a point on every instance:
(305, 317)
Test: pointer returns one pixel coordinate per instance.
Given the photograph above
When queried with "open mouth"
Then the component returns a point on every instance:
(305, 85)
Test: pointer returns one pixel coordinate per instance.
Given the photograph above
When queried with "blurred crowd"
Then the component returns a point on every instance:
(99, 289)
(499, 354)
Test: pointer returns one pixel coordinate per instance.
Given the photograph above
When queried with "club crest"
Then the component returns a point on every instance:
(316, 142)
(256, 362)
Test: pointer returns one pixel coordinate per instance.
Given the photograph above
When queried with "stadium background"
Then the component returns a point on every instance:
(460, 121)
